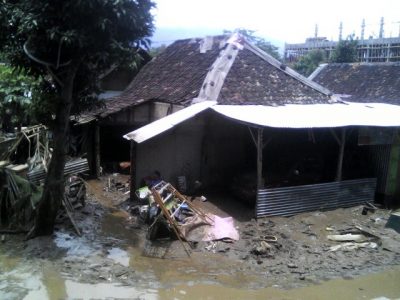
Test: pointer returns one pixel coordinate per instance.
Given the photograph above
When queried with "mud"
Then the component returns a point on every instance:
(107, 261)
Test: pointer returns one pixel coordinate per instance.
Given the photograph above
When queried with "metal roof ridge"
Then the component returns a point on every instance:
(317, 71)
(216, 75)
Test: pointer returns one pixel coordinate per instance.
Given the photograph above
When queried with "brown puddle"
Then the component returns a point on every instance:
(385, 284)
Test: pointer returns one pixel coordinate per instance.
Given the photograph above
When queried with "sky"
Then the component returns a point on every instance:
(278, 21)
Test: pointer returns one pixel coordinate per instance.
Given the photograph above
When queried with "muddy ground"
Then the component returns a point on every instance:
(113, 243)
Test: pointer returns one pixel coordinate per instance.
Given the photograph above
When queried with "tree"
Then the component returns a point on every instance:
(260, 42)
(15, 98)
(68, 44)
(345, 51)
(309, 62)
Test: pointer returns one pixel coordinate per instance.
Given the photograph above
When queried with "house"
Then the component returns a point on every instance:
(247, 119)
(371, 83)
(92, 132)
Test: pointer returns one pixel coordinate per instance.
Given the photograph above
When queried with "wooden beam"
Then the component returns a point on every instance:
(252, 136)
(97, 149)
(133, 174)
(341, 155)
(335, 136)
(267, 142)
(260, 184)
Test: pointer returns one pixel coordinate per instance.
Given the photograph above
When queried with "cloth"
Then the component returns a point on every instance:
(197, 229)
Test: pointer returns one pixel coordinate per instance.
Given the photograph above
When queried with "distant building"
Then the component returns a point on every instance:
(369, 50)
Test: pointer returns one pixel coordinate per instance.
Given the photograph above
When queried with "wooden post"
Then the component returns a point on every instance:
(260, 184)
(341, 155)
(97, 149)
(133, 171)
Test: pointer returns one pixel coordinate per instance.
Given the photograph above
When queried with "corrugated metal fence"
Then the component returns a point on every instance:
(288, 201)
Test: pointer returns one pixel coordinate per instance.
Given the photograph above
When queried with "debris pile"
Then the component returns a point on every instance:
(170, 214)
(18, 200)
(24, 161)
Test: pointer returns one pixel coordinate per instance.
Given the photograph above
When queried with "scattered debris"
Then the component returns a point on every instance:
(20, 183)
(114, 185)
(368, 207)
(394, 221)
(347, 237)
(358, 238)
(353, 246)
(18, 200)
(262, 248)
(170, 214)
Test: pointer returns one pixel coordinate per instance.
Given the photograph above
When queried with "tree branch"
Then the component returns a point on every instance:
(42, 62)
(54, 76)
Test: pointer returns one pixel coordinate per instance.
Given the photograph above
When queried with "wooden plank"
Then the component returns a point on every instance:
(341, 155)
(97, 149)
(259, 158)
(132, 185)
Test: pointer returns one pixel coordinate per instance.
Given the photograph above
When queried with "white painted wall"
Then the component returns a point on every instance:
(211, 153)
(173, 153)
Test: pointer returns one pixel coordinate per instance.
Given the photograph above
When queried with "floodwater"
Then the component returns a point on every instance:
(176, 278)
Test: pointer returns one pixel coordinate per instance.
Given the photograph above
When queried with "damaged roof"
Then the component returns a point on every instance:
(361, 82)
(254, 79)
(226, 69)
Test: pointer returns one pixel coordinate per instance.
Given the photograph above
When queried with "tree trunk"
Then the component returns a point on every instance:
(46, 211)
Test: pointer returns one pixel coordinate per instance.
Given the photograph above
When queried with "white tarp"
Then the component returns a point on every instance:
(314, 115)
(287, 116)
(155, 128)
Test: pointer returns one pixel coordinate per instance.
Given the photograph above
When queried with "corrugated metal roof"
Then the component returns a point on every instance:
(287, 116)
(314, 115)
(155, 128)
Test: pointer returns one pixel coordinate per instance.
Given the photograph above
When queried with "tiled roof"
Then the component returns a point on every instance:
(174, 76)
(178, 73)
(252, 80)
(362, 82)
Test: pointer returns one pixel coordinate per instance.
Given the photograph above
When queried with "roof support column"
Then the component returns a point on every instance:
(133, 170)
(260, 147)
(97, 149)
(342, 144)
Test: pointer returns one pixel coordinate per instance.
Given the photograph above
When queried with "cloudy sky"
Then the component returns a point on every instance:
(279, 21)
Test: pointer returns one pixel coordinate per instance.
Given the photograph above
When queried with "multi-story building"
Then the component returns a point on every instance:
(381, 49)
